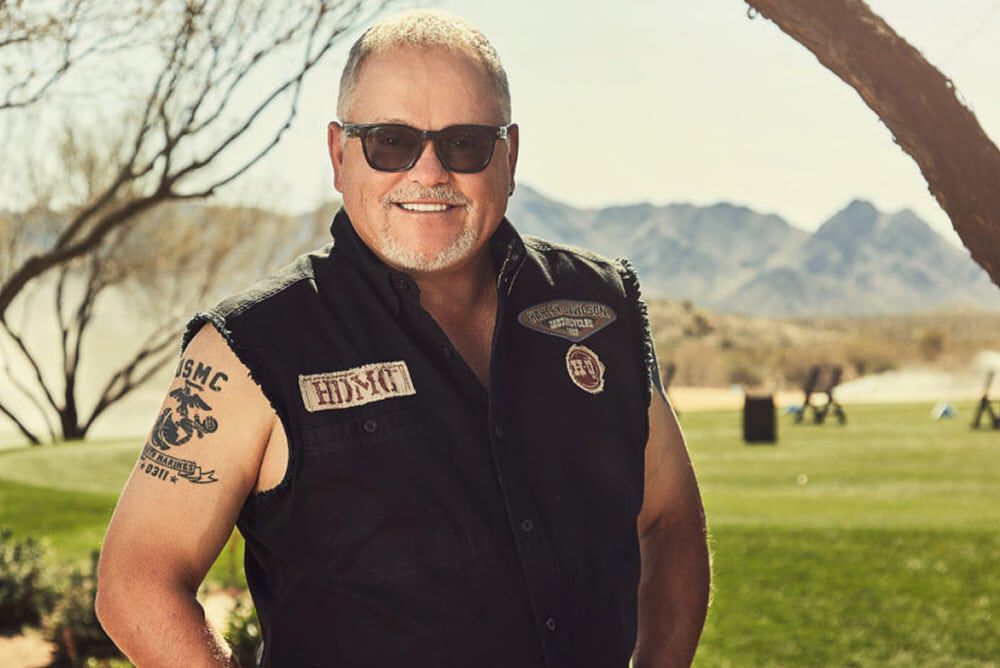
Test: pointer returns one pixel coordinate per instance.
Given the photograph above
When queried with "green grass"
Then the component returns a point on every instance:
(72, 523)
(853, 597)
(66, 493)
(873, 544)
(889, 467)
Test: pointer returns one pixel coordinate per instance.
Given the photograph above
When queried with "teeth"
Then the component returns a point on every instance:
(412, 206)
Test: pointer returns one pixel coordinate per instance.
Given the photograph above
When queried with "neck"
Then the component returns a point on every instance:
(460, 290)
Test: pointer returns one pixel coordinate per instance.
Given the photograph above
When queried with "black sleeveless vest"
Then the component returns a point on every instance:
(425, 520)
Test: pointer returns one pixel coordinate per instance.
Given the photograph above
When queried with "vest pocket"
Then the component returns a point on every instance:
(369, 429)
(385, 498)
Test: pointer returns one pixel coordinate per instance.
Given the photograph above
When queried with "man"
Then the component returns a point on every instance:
(439, 439)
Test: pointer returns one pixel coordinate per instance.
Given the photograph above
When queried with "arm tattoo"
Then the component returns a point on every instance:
(177, 424)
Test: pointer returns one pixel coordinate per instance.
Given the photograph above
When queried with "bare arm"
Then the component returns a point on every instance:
(178, 509)
(675, 581)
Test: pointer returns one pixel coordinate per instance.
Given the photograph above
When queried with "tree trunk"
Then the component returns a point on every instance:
(916, 102)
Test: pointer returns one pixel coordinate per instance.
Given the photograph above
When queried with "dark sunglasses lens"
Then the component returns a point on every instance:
(466, 148)
(392, 147)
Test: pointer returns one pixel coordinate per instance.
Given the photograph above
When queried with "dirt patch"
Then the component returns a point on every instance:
(26, 650)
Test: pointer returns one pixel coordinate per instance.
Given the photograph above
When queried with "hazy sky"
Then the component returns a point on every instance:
(664, 101)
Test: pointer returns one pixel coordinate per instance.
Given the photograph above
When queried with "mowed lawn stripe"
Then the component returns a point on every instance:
(889, 467)
(876, 543)
(825, 597)
(97, 466)
(72, 523)
(872, 544)
(66, 494)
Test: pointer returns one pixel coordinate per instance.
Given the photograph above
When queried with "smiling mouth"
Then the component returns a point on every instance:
(416, 207)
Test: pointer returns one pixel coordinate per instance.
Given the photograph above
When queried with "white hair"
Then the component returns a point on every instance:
(424, 29)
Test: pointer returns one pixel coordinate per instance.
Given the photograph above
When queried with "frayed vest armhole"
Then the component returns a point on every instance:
(219, 322)
(645, 351)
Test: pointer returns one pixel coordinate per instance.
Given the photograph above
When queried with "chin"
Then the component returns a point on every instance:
(411, 259)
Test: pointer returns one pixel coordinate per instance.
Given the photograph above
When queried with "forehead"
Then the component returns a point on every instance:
(427, 88)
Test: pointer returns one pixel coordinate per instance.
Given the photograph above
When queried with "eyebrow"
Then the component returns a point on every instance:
(401, 121)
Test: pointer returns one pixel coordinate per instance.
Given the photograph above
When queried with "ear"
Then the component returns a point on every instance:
(335, 145)
(513, 138)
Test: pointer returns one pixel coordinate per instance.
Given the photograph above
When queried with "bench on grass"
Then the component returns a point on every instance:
(820, 382)
(986, 408)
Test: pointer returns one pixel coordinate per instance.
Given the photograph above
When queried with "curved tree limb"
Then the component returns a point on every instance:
(20, 387)
(20, 426)
(192, 92)
(26, 352)
(916, 102)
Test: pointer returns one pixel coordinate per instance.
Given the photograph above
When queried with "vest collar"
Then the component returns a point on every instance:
(506, 250)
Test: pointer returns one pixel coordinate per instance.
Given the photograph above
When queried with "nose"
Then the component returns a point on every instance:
(428, 170)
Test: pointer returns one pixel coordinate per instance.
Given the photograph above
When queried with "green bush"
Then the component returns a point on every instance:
(72, 625)
(243, 632)
(25, 591)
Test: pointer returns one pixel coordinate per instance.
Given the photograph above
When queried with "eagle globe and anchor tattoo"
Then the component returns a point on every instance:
(169, 432)
(177, 425)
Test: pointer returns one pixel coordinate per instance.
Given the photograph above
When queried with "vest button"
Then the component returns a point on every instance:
(527, 525)
(498, 430)
(370, 426)
(446, 351)
(550, 623)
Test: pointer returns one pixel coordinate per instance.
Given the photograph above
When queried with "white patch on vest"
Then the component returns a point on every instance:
(355, 387)
(585, 368)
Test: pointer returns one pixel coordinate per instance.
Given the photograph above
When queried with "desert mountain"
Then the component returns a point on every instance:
(731, 258)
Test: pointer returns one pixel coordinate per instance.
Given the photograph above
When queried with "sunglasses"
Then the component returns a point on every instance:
(390, 147)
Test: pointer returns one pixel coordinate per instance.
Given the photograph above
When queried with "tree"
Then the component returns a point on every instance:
(203, 84)
(167, 262)
(916, 102)
(164, 266)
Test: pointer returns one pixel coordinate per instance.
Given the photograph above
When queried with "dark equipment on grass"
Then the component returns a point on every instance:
(986, 406)
(821, 380)
(759, 423)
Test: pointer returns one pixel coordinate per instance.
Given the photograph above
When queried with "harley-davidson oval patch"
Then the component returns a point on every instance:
(569, 319)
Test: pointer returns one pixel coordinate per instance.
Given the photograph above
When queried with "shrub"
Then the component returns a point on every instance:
(744, 373)
(698, 327)
(881, 365)
(243, 632)
(25, 591)
(931, 344)
(72, 625)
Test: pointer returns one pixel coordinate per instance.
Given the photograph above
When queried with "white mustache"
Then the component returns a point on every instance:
(441, 194)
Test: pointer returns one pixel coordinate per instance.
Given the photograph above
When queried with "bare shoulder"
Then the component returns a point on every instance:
(195, 469)
(213, 409)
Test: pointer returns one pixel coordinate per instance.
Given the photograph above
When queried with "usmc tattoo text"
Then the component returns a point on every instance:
(176, 425)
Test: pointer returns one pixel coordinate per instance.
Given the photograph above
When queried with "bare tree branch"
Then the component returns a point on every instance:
(916, 102)
(30, 396)
(26, 353)
(123, 381)
(34, 440)
(177, 142)
(45, 44)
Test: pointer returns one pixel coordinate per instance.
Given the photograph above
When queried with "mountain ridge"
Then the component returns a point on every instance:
(860, 261)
